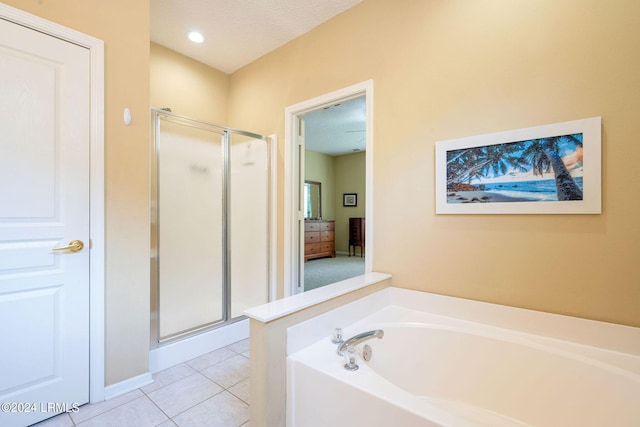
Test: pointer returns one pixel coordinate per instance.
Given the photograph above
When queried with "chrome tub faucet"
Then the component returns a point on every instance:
(347, 348)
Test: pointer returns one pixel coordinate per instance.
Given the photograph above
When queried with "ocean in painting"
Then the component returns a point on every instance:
(538, 190)
(513, 171)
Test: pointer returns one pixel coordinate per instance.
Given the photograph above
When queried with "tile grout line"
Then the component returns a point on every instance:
(107, 411)
(159, 408)
(199, 371)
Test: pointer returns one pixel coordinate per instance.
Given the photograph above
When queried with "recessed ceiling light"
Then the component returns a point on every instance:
(195, 37)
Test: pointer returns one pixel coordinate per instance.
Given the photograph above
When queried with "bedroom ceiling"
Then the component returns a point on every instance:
(338, 129)
(237, 32)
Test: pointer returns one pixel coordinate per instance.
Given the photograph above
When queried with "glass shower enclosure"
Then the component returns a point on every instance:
(210, 225)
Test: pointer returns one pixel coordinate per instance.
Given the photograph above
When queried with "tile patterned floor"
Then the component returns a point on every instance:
(209, 391)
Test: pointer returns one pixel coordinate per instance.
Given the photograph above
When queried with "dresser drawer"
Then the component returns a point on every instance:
(312, 248)
(327, 236)
(327, 247)
(327, 225)
(311, 226)
(312, 237)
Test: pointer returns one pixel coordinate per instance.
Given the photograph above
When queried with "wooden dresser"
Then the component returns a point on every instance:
(319, 239)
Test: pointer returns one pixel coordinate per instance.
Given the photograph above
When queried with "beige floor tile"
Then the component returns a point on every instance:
(192, 398)
(222, 410)
(229, 372)
(241, 390)
(240, 346)
(168, 376)
(137, 413)
(62, 420)
(182, 395)
(211, 358)
(90, 411)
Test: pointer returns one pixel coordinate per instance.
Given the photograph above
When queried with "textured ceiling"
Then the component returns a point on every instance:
(237, 32)
(337, 130)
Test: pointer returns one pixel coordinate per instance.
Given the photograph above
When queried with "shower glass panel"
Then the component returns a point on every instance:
(190, 242)
(210, 204)
(249, 221)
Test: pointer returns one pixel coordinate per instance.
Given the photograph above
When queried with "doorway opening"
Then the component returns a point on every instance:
(334, 196)
(328, 188)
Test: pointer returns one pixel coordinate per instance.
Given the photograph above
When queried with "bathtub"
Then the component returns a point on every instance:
(451, 362)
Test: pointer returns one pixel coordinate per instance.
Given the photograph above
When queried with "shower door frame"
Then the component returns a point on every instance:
(156, 340)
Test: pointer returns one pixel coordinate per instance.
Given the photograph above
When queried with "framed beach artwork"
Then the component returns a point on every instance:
(550, 169)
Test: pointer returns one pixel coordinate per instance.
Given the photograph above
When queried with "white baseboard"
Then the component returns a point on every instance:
(178, 352)
(127, 385)
(348, 254)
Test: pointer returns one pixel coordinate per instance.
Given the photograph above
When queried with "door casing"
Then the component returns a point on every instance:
(96, 187)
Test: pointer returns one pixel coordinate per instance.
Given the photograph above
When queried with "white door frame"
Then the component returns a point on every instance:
(292, 215)
(96, 189)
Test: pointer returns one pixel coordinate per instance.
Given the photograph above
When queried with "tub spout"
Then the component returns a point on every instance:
(357, 339)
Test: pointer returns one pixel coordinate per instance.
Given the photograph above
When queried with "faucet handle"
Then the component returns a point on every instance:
(337, 336)
(350, 359)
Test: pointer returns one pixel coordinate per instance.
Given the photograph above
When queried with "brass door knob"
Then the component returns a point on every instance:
(73, 246)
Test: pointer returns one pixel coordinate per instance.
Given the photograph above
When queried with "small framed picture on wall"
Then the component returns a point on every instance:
(349, 199)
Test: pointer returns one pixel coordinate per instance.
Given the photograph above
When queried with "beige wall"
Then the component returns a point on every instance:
(188, 87)
(350, 178)
(321, 167)
(124, 27)
(446, 69)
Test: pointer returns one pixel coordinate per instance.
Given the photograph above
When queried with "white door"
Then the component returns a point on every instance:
(44, 205)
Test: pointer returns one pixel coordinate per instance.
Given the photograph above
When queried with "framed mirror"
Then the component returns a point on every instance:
(312, 200)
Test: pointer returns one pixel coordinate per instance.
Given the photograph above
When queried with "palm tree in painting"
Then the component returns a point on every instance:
(544, 156)
(465, 165)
